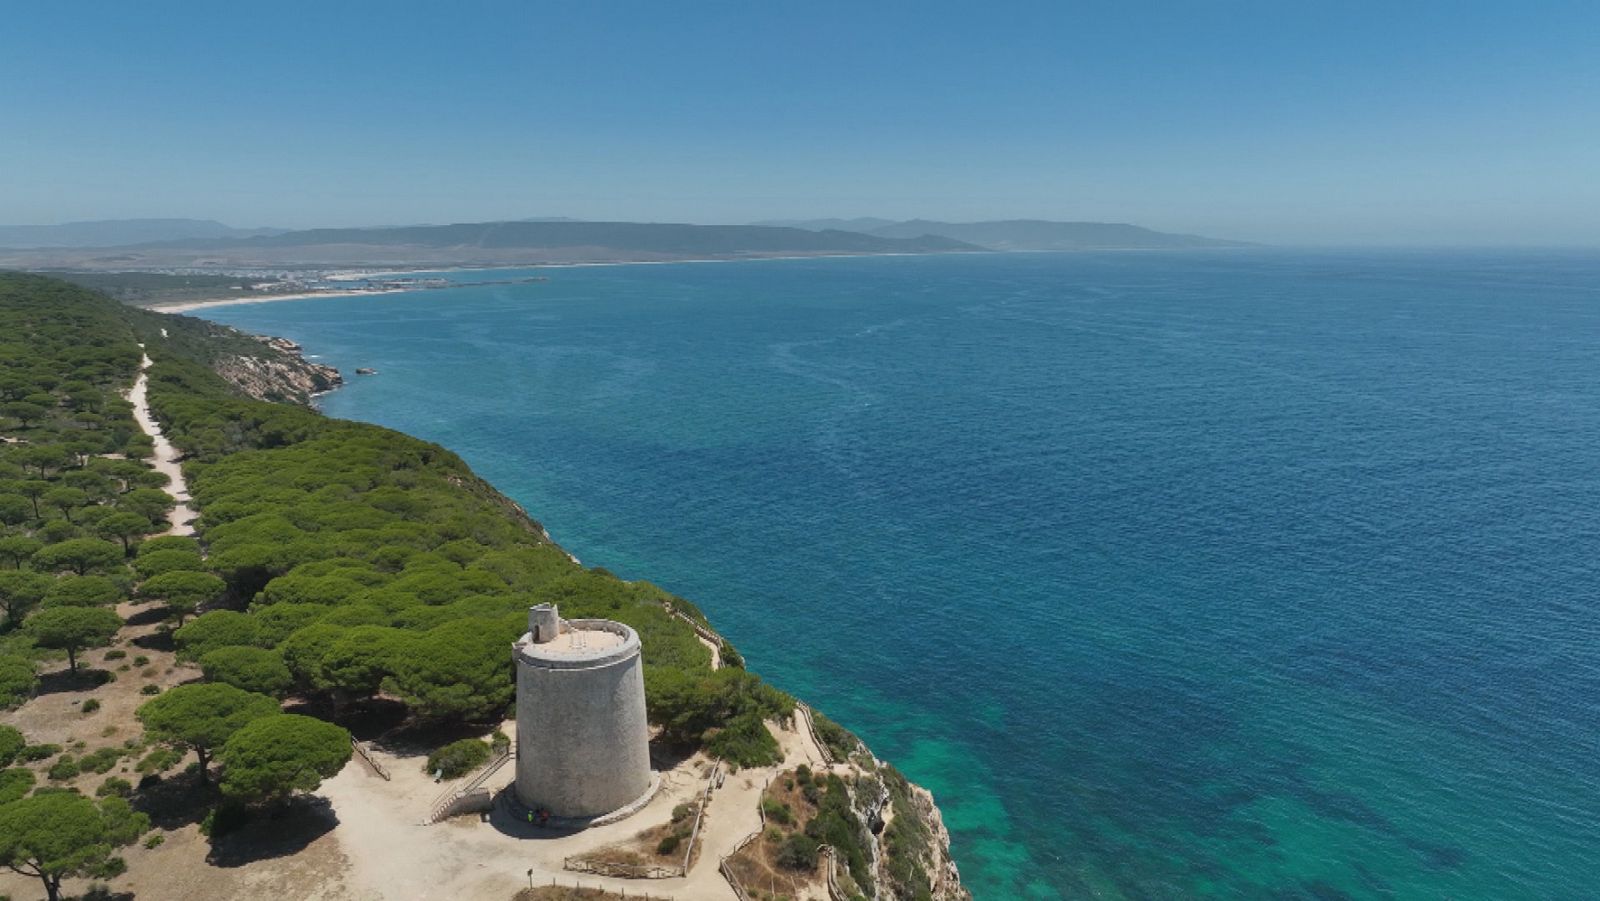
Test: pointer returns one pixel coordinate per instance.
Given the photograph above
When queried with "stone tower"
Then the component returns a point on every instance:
(582, 740)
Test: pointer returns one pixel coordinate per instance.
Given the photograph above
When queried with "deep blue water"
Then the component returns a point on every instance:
(1242, 575)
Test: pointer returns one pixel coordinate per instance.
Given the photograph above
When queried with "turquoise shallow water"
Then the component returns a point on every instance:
(1243, 575)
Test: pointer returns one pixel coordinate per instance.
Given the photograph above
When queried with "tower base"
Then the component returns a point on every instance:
(524, 813)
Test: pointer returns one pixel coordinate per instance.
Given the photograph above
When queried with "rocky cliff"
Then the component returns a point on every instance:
(280, 372)
(907, 844)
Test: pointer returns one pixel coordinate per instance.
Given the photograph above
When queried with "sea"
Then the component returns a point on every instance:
(1257, 574)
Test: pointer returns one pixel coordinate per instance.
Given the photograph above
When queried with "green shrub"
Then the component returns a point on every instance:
(11, 744)
(18, 680)
(835, 737)
(777, 811)
(116, 654)
(116, 785)
(458, 758)
(746, 742)
(798, 852)
(159, 761)
(100, 761)
(668, 844)
(90, 706)
(35, 753)
(683, 811)
(63, 769)
(14, 783)
(151, 689)
(155, 840)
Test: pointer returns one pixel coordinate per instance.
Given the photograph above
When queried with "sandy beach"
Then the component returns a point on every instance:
(192, 305)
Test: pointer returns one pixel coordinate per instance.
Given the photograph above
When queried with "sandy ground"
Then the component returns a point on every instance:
(166, 456)
(393, 857)
(190, 306)
(298, 858)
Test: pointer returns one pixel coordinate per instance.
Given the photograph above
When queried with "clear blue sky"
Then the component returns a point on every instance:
(1288, 121)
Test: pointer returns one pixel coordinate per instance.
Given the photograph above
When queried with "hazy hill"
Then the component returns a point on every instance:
(1030, 234)
(119, 232)
(862, 224)
(655, 238)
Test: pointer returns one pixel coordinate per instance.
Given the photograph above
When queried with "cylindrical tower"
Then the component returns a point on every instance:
(582, 739)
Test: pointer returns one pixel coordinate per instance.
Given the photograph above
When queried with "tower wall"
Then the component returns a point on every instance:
(582, 738)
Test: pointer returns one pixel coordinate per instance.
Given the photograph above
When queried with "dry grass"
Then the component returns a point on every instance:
(566, 893)
(184, 867)
(644, 848)
(56, 715)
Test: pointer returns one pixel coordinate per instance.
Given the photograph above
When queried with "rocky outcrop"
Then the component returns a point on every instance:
(911, 847)
(905, 838)
(280, 372)
(945, 879)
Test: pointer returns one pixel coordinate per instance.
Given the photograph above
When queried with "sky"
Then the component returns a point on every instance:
(1287, 122)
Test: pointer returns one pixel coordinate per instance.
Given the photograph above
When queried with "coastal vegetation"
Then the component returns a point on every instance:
(458, 758)
(803, 811)
(56, 835)
(153, 287)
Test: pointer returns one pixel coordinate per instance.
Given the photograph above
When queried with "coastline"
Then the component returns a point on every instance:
(187, 306)
(354, 797)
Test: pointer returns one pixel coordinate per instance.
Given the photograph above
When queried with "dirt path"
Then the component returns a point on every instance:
(716, 652)
(807, 741)
(165, 460)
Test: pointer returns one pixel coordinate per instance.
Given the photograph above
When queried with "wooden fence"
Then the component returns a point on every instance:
(650, 871)
(836, 891)
(643, 896)
(804, 713)
(366, 755)
(617, 870)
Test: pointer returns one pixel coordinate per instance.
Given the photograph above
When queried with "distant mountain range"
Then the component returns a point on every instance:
(120, 232)
(203, 244)
(523, 242)
(1018, 234)
(669, 239)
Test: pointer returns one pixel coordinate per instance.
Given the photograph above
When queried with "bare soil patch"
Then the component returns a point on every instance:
(662, 845)
(759, 866)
